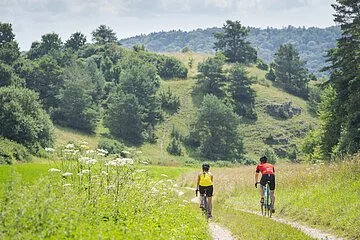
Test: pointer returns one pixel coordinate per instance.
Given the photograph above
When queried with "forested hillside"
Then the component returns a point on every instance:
(312, 43)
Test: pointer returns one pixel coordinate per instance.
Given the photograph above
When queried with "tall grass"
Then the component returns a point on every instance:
(324, 196)
(90, 196)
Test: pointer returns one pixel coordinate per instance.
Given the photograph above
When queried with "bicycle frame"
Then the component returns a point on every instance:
(206, 209)
(266, 206)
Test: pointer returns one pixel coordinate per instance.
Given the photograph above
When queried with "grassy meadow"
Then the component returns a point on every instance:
(322, 196)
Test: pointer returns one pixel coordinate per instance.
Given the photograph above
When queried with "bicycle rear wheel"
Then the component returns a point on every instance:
(268, 201)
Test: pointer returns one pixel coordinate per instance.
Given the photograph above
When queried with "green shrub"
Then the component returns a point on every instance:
(11, 151)
(174, 147)
(111, 145)
(23, 119)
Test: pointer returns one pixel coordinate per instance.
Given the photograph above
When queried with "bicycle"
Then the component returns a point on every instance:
(205, 209)
(266, 207)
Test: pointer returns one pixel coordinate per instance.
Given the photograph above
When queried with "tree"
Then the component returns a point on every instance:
(23, 119)
(215, 131)
(345, 79)
(76, 41)
(44, 76)
(232, 42)
(9, 49)
(211, 77)
(242, 95)
(124, 117)
(6, 33)
(290, 71)
(103, 34)
(77, 108)
(50, 42)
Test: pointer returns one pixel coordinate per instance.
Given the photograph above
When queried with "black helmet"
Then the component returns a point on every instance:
(263, 159)
(205, 166)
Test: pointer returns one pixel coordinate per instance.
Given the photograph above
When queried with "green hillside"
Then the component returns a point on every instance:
(287, 134)
(312, 43)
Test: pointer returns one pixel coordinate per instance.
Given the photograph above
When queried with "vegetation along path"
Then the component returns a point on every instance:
(312, 232)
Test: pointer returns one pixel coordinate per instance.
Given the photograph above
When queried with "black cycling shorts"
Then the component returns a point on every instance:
(209, 190)
(270, 178)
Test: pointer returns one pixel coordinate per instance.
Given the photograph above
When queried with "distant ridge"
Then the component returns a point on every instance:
(312, 43)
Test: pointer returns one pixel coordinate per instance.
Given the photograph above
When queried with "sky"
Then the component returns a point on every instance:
(31, 19)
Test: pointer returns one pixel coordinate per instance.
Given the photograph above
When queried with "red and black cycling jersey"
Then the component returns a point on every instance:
(265, 168)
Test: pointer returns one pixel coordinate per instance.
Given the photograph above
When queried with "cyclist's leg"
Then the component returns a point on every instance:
(261, 188)
(209, 193)
(202, 192)
(272, 191)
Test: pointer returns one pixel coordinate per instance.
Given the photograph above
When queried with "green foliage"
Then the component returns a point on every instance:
(112, 146)
(311, 42)
(10, 152)
(76, 41)
(232, 43)
(290, 71)
(345, 79)
(103, 35)
(77, 109)
(23, 119)
(9, 49)
(262, 65)
(124, 117)
(139, 47)
(169, 101)
(215, 131)
(167, 67)
(50, 42)
(211, 77)
(174, 147)
(270, 154)
(314, 99)
(104, 197)
(43, 75)
(242, 95)
(271, 75)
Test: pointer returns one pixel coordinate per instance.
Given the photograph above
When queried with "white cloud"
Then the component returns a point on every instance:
(33, 18)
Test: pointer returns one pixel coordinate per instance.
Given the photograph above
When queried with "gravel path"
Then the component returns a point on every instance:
(221, 233)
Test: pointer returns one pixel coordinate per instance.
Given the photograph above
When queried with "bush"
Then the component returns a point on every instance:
(174, 147)
(169, 102)
(11, 151)
(111, 145)
(23, 119)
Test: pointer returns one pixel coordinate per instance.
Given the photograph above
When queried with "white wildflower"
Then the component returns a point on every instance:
(67, 185)
(101, 154)
(49, 149)
(102, 151)
(70, 145)
(146, 163)
(125, 152)
(120, 162)
(140, 170)
(90, 151)
(164, 175)
(84, 171)
(54, 170)
(83, 159)
(104, 173)
(67, 174)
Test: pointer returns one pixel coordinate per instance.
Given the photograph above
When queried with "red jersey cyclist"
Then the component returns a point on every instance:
(267, 174)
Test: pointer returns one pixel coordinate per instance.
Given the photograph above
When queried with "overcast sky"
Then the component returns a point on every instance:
(33, 18)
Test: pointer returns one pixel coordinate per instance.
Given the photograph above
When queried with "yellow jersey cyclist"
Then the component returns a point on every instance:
(205, 183)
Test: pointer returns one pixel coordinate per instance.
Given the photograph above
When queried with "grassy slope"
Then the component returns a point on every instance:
(254, 133)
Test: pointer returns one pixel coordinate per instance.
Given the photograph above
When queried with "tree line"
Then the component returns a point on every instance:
(311, 43)
(76, 84)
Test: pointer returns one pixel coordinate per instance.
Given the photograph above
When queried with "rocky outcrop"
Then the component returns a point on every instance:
(283, 111)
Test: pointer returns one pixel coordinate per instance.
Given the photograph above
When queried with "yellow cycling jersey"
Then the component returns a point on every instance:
(205, 179)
